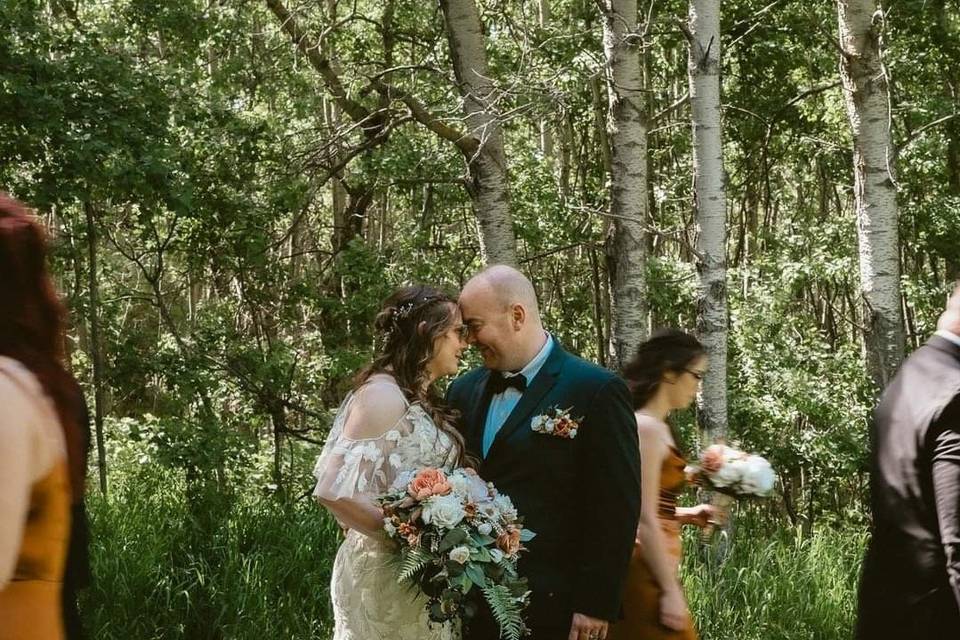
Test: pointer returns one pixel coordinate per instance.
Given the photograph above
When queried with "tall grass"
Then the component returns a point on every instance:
(258, 568)
(245, 570)
(776, 585)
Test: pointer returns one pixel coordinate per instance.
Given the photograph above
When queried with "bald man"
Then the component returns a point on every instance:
(910, 585)
(580, 495)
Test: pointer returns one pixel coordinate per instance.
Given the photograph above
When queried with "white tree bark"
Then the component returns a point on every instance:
(710, 204)
(489, 188)
(626, 240)
(866, 94)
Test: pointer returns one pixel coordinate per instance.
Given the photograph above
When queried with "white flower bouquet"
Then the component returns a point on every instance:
(732, 474)
(458, 541)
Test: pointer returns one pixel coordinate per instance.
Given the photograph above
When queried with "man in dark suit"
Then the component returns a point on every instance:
(910, 586)
(580, 495)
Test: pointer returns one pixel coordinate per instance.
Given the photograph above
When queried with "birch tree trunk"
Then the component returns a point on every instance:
(710, 207)
(545, 124)
(489, 184)
(96, 346)
(866, 94)
(626, 239)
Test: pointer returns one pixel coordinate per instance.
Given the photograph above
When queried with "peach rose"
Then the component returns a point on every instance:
(509, 541)
(712, 458)
(428, 482)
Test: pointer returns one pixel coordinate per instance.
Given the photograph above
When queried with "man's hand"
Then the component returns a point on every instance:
(587, 628)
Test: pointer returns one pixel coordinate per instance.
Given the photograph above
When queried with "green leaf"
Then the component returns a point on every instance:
(476, 575)
(453, 538)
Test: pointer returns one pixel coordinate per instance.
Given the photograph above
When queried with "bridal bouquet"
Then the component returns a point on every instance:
(459, 541)
(732, 474)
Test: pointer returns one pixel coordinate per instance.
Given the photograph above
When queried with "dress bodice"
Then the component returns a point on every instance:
(673, 479)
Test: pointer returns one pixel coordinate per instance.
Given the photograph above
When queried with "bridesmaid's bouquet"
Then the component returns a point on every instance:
(459, 541)
(732, 474)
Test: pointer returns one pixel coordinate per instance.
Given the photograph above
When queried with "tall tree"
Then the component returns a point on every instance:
(710, 204)
(96, 345)
(489, 185)
(866, 94)
(626, 238)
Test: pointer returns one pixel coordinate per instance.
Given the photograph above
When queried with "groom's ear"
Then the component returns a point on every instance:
(518, 315)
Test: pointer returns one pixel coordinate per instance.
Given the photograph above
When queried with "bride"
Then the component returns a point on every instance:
(392, 422)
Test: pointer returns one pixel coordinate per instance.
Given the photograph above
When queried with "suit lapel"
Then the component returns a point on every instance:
(531, 398)
(477, 414)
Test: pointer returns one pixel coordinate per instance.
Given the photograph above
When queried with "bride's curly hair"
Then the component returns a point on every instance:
(408, 325)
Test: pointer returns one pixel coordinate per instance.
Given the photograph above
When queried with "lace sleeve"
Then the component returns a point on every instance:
(360, 456)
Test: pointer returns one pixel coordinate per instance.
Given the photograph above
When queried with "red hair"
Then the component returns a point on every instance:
(31, 323)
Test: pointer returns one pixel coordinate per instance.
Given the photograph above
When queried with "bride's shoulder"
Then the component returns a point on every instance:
(376, 407)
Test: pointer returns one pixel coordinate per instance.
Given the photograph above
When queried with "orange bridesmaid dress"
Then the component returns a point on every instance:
(641, 597)
(30, 607)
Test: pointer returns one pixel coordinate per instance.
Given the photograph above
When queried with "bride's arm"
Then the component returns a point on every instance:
(361, 514)
(374, 412)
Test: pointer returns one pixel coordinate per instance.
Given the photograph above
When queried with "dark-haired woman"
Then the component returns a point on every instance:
(664, 376)
(392, 423)
(41, 442)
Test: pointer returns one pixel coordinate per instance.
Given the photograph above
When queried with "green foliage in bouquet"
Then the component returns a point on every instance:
(458, 544)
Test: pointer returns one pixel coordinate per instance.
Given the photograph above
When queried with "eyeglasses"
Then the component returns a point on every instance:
(696, 374)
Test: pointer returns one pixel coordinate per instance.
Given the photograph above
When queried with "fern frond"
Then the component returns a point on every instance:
(506, 609)
(413, 563)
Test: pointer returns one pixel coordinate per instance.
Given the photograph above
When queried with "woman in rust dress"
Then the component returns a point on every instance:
(664, 376)
(40, 440)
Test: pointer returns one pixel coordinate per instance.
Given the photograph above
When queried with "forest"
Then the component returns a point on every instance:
(232, 187)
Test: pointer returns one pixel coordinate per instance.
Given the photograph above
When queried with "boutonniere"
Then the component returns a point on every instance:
(556, 422)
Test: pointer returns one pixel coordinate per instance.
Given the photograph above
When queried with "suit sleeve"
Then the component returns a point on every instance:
(610, 501)
(946, 491)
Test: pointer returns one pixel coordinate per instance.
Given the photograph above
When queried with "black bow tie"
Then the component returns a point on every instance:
(499, 382)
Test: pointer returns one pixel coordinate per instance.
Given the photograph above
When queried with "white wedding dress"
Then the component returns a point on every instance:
(368, 601)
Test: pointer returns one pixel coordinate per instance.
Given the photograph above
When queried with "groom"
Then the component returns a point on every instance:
(580, 495)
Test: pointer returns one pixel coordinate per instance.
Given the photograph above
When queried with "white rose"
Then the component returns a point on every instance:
(459, 484)
(444, 512)
(537, 423)
(729, 474)
(505, 506)
(759, 477)
(460, 554)
(485, 528)
(388, 525)
(548, 426)
(496, 555)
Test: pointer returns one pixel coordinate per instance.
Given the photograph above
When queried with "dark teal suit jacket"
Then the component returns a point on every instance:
(580, 496)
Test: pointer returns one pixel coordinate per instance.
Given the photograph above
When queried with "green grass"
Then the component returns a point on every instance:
(249, 571)
(259, 569)
(776, 585)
